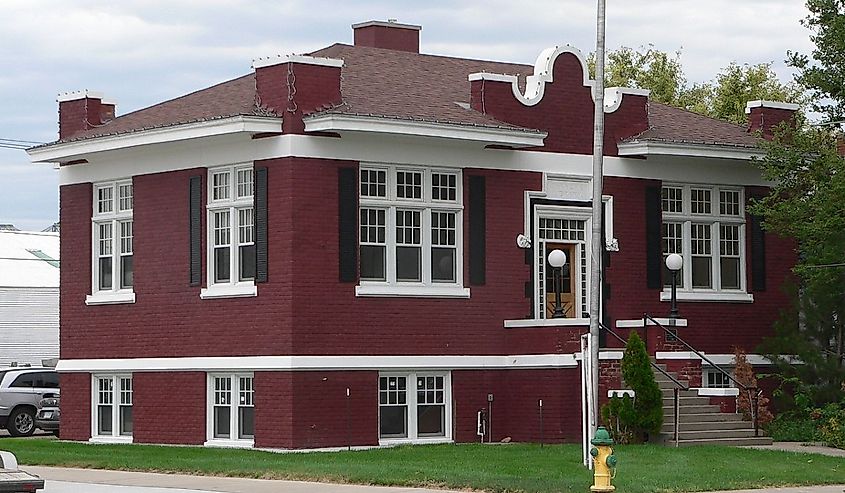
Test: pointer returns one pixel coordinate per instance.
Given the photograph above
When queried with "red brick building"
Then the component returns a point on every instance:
(324, 251)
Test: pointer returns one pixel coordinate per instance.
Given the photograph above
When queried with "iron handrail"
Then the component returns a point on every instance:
(676, 401)
(753, 392)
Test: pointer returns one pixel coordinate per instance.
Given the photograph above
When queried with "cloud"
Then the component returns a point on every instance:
(140, 52)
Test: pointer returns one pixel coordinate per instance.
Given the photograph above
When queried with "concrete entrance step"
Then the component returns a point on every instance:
(706, 417)
(706, 425)
(694, 409)
(686, 401)
(727, 441)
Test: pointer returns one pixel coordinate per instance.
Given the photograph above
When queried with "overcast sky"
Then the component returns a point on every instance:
(140, 52)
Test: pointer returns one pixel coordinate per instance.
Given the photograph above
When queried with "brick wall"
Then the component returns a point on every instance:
(75, 421)
(567, 95)
(168, 407)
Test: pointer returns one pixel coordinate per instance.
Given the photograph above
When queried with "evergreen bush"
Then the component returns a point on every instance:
(648, 401)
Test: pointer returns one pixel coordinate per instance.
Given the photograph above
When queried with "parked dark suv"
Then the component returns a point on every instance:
(20, 391)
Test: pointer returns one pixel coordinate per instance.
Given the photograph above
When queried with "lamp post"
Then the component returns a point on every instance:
(557, 258)
(674, 262)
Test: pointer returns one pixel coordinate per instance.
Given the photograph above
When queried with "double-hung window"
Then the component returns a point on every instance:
(231, 232)
(705, 225)
(112, 409)
(112, 246)
(414, 407)
(231, 413)
(410, 236)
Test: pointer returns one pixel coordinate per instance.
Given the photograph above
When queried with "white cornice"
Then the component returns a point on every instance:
(74, 95)
(312, 363)
(715, 151)
(535, 84)
(68, 151)
(396, 25)
(775, 105)
(300, 59)
(378, 125)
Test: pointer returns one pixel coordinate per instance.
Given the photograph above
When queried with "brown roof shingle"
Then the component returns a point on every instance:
(404, 85)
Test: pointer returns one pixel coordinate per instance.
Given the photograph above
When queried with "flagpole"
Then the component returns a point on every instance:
(596, 247)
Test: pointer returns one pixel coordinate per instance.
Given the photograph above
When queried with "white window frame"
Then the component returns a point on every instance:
(235, 442)
(583, 254)
(705, 379)
(425, 205)
(115, 436)
(234, 287)
(714, 219)
(411, 389)
(114, 219)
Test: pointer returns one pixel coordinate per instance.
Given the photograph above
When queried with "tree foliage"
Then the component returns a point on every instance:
(723, 97)
(807, 202)
(744, 374)
(648, 401)
(823, 73)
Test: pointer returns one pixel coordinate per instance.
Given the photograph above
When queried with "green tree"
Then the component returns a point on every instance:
(807, 202)
(648, 401)
(823, 73)
(724, 97)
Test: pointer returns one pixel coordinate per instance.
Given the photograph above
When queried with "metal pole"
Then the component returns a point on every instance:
(673, 313)
(348, 427)
(677, 419)
(595, 240)
(541, 423)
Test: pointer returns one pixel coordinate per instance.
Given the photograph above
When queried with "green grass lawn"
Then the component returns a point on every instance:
(512, 467)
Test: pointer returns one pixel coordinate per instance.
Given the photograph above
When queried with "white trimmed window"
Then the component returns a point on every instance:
(706, 226)
(567, 229)
(112, 408)
(410, 236)
(112, 276)
(231, 232)
(231, 410)
(716, 379)
(415, 407)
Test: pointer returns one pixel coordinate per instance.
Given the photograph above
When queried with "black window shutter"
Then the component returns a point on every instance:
(477, 230)
(758, 254)
(261, 225)
(347, 192)
(653, 237)
(195, 229)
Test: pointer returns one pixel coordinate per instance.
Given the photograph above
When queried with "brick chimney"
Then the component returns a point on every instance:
(82, 110)
(293, 86)
(765, 116)
(389, 35)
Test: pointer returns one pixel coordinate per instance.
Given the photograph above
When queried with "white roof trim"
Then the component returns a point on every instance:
(237, 124)
(306, 363)
(374, 124)
(75, 95)
(387, 24)
(715, 151)
(535, 85)
(776, 105)
(301, 59)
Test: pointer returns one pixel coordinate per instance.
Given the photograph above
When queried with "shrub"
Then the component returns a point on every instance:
(744, 374)
(831, 424)
(792, 427)
(617, 416)
(647, 415)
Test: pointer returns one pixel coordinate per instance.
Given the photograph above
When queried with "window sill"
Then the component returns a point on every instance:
(713, 296)
(387, 442)
(110, 298)
(242, 290)
(717, 391)
(110, 439)
(411, 291)
(230, 443)
(547, 322)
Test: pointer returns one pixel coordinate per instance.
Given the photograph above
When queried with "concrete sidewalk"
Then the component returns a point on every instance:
(185, 483)
(803, 448)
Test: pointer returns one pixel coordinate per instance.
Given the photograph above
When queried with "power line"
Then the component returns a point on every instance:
(23, 141)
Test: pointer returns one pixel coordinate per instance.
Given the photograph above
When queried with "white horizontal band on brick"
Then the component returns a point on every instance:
(775, 105)
(717, 391)
(638, 322)
(110, 298)
(229, 149)
(547, 322)
(621, 393)
(689, 149)
(300, 59)
(605, 355)
(306, 363)
(728, 359)
(726, 297)
(75, 95)
(676, 355)
(380, 125)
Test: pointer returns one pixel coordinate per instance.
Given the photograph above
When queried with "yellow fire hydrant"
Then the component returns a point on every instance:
(604, 462)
